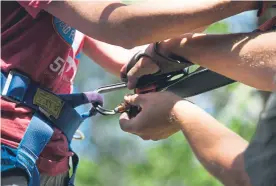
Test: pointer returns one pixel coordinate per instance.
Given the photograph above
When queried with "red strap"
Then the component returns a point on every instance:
(151, 88)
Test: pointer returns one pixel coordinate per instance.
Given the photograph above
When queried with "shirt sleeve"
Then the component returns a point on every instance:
(34, 7)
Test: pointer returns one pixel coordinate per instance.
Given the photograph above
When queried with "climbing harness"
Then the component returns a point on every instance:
(49, 110)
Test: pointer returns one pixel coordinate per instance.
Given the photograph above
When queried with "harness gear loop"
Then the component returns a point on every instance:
(78, 135)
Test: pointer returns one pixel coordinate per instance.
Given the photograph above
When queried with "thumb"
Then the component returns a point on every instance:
(144, 66)
(135, 99)
(127, 124)
(123, 73)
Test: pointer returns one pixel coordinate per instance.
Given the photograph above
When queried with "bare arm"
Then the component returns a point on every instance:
(109, 57)
(249, 58)
(143, 23)
(219, 149)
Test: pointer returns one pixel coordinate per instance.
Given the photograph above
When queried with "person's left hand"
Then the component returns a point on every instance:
(156, 119)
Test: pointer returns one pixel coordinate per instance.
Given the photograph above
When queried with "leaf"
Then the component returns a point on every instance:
(218, 28)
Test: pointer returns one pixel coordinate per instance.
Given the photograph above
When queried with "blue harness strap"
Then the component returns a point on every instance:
(50, 111)
(36, 137)
(19, 89)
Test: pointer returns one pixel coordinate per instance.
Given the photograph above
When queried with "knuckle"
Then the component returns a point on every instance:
(139, 129)
(146, 63)
(122, 126)
(145, 137)
(142, 63)
(142, 98)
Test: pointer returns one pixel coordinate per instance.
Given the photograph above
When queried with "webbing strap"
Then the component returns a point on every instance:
(36, 137)
(50, 110)
(199, 82)
(75, 162)
(8, 159)
(59, 109)
(18, 88)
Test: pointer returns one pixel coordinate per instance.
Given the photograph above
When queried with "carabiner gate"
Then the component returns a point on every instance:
(109, 88)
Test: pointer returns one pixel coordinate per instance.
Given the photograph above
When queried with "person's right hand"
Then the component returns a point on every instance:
(161, 115)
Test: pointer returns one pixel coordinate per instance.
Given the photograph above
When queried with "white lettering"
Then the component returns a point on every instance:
(61, 70)
(72, 64)
(66, 29)
(57, 64)
(58, 20)
(62, 24)
(72, 34)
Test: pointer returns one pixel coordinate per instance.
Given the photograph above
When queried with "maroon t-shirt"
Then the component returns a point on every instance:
(35, 42)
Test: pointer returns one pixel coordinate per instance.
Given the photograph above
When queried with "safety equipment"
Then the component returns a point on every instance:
(50, 110)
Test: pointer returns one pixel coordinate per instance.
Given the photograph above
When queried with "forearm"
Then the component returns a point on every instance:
(145, 22)
(150, 22)
(249, 58)
(219, 149)
(109, 57)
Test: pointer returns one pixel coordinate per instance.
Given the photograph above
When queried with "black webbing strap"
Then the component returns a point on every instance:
(199, 82)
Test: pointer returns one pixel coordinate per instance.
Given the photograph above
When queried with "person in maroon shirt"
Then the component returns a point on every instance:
(43, 38)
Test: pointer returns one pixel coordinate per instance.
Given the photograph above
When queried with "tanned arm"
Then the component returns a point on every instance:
(249, 58)
(146, 22)
(220, 150)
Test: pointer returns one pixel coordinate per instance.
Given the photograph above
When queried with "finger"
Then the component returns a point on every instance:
(123, 73)
(135, 99)
(144, 66)
(155, 139)
(166, 134)
(145, 137)
(131, 125)
(160, 137)
(126, 123)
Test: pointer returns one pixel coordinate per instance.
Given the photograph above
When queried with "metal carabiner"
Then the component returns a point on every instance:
(106, 89)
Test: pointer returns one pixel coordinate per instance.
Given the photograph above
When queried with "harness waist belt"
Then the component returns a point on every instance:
(59, 109)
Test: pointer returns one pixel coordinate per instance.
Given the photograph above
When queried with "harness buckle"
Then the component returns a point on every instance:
(15, 87)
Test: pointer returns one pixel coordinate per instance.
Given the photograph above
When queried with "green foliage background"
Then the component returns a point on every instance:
(126, 160)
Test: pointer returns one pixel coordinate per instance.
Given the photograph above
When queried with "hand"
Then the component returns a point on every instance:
(143, 66)
(156, 58)
(157, 118)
